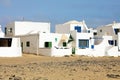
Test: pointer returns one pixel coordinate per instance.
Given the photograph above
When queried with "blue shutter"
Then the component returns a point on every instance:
(78, 28)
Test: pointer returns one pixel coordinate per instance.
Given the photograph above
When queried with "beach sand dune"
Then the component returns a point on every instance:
(32, 67)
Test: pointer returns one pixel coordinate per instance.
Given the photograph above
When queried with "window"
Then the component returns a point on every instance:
(115, 42)
(78, 28)
(5, 42)
(64, 44)
(111, 42)
(92, 46)
(95, 33)
(116, 31)
(27, 44)
(100, 30)
(48, 44)
(21, 44)
(55, 39)
(83, 43)
(10, 30)
(88, 31)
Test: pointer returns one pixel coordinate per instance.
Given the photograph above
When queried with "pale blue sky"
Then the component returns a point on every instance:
(94, 12)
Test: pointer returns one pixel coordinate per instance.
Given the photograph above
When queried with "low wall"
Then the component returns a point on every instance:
(45, 51)
(113, 52)
(61, 52)
(91, 52)
(54, 52)
(10, 52)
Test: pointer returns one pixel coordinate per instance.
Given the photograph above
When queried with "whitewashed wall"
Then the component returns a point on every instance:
(13, 51)
(119, 41)
(54, 52)
(1, 32)
(86, 36)
(78, 36)
(100, 50)
(50, 37)
(24, 28)
(113, 51)
(61, 52)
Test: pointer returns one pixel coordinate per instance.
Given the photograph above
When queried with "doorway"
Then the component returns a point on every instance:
(73, 50)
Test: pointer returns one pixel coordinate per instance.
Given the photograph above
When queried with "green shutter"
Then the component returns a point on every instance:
(48, 44)
(64, 44)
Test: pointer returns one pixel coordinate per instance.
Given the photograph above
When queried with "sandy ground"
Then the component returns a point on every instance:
(32, 67)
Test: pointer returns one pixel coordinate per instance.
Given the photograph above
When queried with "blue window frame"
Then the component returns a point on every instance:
(88, 31)
(83, 43)
(111, 42)
(78, 28)
(92, 46)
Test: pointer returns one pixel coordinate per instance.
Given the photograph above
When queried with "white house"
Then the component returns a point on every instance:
(54, 44)
(89, 42)
(48, 44)
(72, 37)
(82, 36)
(37, 39)
(9, 47)
(109, 30)
(19, 28)
(82, 41)
(112, 30)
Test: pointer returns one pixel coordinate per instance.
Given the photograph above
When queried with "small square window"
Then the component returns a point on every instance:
(64, 44)
(111, 42)
(10, 30)
(27, 44)
(101, 30)
(55, 39)
(95, 33)
(48, 44)
(88, 31)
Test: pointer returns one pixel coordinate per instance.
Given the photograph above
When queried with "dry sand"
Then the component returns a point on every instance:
(32, 67)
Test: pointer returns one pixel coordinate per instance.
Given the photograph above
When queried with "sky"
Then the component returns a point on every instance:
(94, 12)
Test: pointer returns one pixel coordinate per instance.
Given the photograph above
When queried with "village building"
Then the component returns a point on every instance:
(88, 41)
(112, 30)
(72, 37)
(81, 34)
(37, 39)
(18, 28)
(9, 46)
